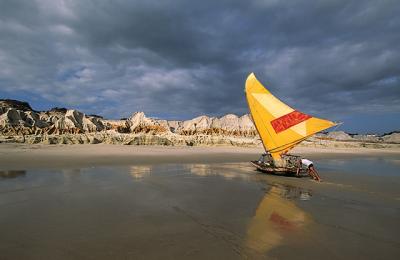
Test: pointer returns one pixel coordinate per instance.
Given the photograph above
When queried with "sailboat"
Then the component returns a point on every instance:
(280, 128)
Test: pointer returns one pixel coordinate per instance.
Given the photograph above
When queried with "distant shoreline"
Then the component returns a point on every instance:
(24, 156)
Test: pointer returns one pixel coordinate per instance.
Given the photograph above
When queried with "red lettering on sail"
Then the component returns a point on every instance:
(284, 122)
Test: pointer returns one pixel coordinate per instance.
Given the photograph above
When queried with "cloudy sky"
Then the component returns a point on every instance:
(178, 59)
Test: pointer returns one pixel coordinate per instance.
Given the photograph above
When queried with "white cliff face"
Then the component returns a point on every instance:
(246, 123)
(197, 124)
(229, 125)
(138, 119)
(74, 119)
(339, 135)
(229, 122)
(60, 120)
(33, 119)
(392, 138)
(138, 122)
(68, 121)
(96, 122)
(174, 125)
(12, 117)
(27, 122)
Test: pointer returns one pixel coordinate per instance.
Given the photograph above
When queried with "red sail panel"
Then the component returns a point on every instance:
(286, 121)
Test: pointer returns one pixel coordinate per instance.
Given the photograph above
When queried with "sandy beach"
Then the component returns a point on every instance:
(130, 202)
(53, 156)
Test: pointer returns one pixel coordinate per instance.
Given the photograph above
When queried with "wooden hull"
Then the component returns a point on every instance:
(273, 170)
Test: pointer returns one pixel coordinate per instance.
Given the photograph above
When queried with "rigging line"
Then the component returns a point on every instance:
(337, 126)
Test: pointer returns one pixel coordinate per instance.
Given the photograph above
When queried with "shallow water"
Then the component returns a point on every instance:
(202, 211)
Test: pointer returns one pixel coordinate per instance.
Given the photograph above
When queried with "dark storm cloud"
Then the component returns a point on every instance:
(185, 58)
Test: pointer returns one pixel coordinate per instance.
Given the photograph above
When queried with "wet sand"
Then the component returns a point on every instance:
(66, 156)
(205, 203)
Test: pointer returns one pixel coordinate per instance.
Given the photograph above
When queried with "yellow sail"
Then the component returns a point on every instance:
(279, 126)
(275, 217)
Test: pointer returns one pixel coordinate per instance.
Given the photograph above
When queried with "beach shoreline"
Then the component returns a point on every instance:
(22, 156)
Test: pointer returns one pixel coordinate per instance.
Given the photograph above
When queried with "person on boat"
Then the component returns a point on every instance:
(310, 169)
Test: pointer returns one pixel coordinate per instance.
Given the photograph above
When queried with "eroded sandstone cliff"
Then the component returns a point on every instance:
(20, 123)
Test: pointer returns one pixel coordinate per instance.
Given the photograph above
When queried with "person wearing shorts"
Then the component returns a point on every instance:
(310, 169)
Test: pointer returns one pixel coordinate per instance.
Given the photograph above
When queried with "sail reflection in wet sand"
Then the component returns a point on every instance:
(276, 217)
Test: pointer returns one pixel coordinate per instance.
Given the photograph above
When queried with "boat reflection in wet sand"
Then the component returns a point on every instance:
(277, 217)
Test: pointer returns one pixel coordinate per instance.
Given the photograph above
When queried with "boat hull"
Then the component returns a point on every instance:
(274, 170)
